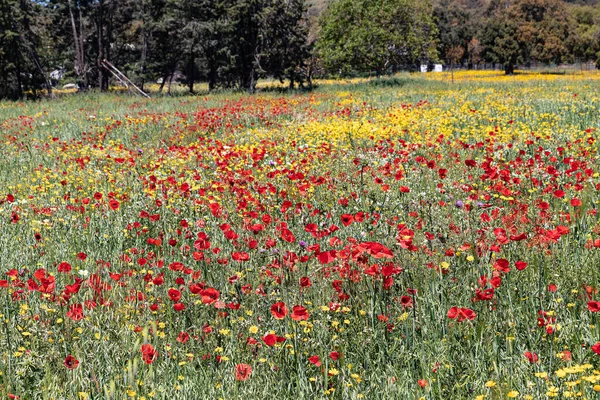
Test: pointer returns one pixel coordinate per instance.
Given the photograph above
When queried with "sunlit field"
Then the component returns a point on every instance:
(399, 238)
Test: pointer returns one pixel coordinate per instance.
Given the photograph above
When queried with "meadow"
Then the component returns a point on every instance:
(400, 238)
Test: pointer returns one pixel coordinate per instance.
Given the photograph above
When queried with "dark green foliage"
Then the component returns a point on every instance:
(21, 67)
(234, 43)
(369, 35)
(523, 31)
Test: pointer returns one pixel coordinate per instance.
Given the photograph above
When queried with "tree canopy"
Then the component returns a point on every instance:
(234, 43)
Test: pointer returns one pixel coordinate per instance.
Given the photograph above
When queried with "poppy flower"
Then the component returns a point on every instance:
(596, 348)
(502, 265)
(242, 372)
(594, 306)
(422, 382)
(64, 267)
(314, 360)
(347, 219)
(174, 294)
(71, 362)
(520, 265)
(334, 355)
(461, 314)
(279, 310)
(183, 337)
(149, 354)
(305, 282)
(271, 339)
(288, 236)
(114, 204)
(376, 250)
(209, 295)
(406, 301)
(299, 313)
(532, 357)
(75, 312)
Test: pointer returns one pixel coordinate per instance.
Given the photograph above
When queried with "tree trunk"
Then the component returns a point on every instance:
(509, 69)
(170, 81)
(108, 39)
(162, 84)
(100, 48)
(78, 61)
(191, 72)
(18, 94)
(212, 75)
(252, 81)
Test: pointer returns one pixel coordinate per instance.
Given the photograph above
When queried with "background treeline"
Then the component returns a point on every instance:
(233, 43)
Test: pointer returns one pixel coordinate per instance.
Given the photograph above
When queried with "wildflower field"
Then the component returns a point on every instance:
(399, 238)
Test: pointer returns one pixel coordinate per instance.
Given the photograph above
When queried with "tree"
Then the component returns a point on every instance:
(586, 45)
(527, 31)
(458, 22)
(284, 40)
(373, 35)
(21, 67)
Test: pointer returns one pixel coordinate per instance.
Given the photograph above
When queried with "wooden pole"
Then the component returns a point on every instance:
(122, 77)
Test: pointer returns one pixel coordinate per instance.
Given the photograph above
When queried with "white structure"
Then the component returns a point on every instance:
(436, 68)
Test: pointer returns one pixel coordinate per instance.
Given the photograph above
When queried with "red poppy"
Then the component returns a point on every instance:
(376, 250)
(149, 354)
(174, 294)
(209, 295)
(502, 265)
(114, 204)
(75, 312)
(288, 236)
(461, 314)
(64, 267)
(406, 301)
(596, 348)
(299, 313)
(271, 339)
(305, 282)
(242, 372)
(183, 337)
(334, 355)
(594, 306)
(520, 265)
(240, 256)
(327, 257)
(422, 382)
(314, 360)
(176, 266)
(71, 362)
(347, 219)
(532, 357)
(279, 310)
